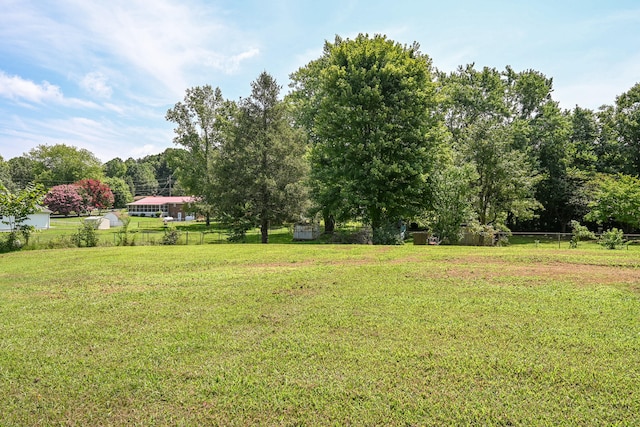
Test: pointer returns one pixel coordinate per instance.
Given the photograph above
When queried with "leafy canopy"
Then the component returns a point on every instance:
(375, 137)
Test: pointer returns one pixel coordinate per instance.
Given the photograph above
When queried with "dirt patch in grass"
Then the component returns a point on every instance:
(492, 268)
(567, 272)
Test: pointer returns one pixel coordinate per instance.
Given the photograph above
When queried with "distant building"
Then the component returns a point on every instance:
(99, 222)
(41, 220)
(174, 207)
(115, 219)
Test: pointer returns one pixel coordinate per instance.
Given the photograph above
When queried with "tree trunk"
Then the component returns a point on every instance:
(208, 220)
(264, 230)
(329, 224)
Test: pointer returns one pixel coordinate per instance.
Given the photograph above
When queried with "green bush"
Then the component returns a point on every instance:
(86, 235)
(476, 234)
(579, 232)
(361, 236)
(612, 239)
(61, 242)
(125, 237)
(388, 234)
(10, 242)
(171, 236)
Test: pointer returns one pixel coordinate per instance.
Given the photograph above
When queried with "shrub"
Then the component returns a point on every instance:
(171, 236)
(612, 239)
(86, 235)
(10, 242)
(123, 235)
(476, 234)
(362, 236)
(60, 243)
(388, 234)
(579, 232)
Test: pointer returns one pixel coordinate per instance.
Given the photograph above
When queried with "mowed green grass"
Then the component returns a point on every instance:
(320, 335)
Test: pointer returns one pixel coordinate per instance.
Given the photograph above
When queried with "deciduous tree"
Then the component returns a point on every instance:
(23, 170)
(121, 192)
(198, 130)
(64, 164)
(627, 117)
(97, 194)
(115, 168)
(505, 178)
(451, 201)
(374, 132)
(5, 175)
(142, 177)
(616, 199)
(65, 199)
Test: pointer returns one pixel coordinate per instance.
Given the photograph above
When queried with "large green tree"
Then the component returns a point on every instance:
(164, 166)
(262, 164)
(23, 170)
(141, 177)
(452, 199)
(504, 178)
(372, 124)
(198, 130)
(64, 164)
(5, 175)
(615, 199)
(627, 117)
(121, 192)
(507, 126)
(555, 157)
(115, 168)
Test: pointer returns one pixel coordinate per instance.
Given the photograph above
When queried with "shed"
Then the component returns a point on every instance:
(306, 232)
(114, 219)
(100, 222)
(40, 220)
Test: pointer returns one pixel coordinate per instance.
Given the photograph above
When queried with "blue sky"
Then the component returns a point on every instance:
(101, 74)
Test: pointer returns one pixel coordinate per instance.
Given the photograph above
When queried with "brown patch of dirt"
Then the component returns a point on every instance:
(491, 268)
(576, 273)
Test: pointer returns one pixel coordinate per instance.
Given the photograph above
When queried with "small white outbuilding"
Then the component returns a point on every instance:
(41, 220)
(114, 219)
(100, 222)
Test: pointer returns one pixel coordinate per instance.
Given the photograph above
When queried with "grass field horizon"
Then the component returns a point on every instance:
(320, 335)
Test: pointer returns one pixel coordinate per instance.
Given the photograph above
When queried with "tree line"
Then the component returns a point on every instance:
(372, 132)
(61, 168)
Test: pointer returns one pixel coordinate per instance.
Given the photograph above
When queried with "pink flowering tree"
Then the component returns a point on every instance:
(97, 194)
(65, 199)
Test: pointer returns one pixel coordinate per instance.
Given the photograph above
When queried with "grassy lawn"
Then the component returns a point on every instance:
(320, 335)
(147, 231)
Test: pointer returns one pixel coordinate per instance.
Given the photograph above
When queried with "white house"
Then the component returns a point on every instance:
(40, 220)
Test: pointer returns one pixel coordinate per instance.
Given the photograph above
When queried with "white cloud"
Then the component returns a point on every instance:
(95, 83)
(145, 150)
(23, 91)
(157, 48)
(166, 42)
(19, 89)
